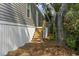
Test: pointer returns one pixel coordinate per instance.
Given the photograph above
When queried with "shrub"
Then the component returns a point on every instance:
(71, 28)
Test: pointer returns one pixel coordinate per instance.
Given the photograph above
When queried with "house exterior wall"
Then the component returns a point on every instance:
(36, 15)
(16, 28)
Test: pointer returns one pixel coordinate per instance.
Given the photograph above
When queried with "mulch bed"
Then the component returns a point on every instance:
(42, 49)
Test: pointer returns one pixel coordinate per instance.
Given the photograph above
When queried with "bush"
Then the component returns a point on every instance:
(71, 28)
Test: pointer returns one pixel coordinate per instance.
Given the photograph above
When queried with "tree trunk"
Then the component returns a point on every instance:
(59, 23)
(59, 27)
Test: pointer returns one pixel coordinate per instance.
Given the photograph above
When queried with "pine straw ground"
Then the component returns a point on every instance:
(42, 49)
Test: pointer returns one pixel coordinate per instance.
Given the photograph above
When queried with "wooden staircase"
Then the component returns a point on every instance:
(37, 38)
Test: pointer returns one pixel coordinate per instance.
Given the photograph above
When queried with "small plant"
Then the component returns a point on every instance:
(71, 42)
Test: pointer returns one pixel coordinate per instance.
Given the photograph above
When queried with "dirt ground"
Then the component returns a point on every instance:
(42, 49)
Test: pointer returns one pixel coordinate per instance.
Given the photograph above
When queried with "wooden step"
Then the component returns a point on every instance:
(37, 35)
(37, 41)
